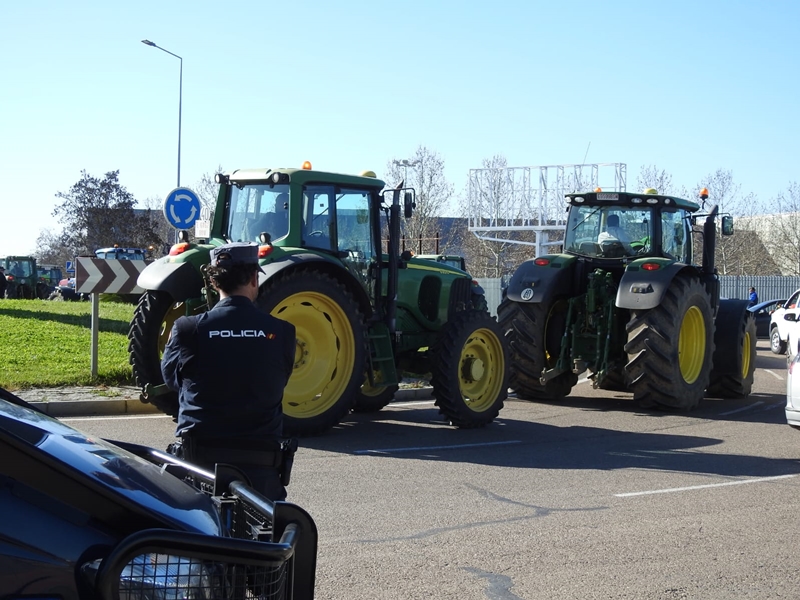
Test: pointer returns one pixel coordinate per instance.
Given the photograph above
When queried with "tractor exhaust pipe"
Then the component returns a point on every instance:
(710, 240)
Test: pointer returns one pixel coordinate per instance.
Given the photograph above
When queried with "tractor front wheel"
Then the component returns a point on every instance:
(670, 347)
(469, 375)
(331, 348)
(534, 333)
(151, 326)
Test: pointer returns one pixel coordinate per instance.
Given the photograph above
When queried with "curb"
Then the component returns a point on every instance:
(112, 407)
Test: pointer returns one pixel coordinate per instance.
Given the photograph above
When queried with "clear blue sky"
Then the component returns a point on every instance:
(689, 86)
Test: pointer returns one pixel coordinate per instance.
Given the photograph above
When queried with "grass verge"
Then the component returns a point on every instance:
(48, 344)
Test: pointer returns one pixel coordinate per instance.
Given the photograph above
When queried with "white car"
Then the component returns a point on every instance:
(780, 329)
(793, 392)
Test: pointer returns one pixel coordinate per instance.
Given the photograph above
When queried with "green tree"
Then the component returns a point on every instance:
(98, 212)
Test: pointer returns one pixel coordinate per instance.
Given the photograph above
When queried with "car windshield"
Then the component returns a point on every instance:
(256, 209)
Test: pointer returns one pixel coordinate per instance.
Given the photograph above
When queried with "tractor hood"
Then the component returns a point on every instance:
(42, 449)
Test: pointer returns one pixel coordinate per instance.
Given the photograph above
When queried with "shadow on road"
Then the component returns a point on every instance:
(420, 434)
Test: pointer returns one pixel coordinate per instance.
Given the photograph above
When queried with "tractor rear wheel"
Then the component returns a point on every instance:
(331, 348)
(670, 347)
(534, 333)
(735, 353)
(151, 326)
(469, 375)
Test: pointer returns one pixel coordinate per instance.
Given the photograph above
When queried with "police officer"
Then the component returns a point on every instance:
(229, 366)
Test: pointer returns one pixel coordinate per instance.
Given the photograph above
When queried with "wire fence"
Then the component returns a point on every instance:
(768, 287)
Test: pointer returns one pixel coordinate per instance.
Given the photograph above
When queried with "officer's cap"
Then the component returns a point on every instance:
(238, 253)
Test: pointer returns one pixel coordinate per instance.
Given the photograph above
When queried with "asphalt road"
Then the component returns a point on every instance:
(588, 498)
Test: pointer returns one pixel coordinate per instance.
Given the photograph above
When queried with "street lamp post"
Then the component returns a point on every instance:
(180, 101)
(405, 163)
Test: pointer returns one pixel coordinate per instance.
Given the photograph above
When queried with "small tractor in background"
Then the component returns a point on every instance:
(638, 315)
(363, 315)
(23, 278)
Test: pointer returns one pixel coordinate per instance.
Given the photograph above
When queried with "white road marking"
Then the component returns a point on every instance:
(412, 403)
(702, 487)
(114, 418)
(774, 374)
(424, 448)
(738, 410)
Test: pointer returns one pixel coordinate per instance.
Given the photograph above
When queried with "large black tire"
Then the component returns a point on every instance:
(469, 373)
(670, 347)
(776, 344)
(331, 348)
(735, 351)
(150, 329)
(534, 333)
(373, 398)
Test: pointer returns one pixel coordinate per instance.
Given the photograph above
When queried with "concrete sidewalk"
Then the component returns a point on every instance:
(124, 400)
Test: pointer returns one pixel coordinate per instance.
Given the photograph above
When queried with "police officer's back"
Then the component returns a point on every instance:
(230, 366)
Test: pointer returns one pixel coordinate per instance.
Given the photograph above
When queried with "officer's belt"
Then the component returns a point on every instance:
(234, 456)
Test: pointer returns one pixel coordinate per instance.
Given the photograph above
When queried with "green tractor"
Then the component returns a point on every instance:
(631, 309)
(23, 278)
(363, 315)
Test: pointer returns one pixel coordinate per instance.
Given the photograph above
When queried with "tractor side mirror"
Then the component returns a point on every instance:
(408, 204)
(727, 225)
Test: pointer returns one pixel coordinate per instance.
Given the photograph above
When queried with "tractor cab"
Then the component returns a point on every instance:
(624, 225)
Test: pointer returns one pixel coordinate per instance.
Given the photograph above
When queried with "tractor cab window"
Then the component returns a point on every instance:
(258, 208)
(675, 235)
(337, 219)
(608, 231)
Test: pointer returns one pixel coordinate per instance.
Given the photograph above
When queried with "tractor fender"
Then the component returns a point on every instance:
(641, 289)
(330, 266)
(535, 284)
(180, 280)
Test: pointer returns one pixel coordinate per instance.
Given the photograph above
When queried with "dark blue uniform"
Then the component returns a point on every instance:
(230, 366)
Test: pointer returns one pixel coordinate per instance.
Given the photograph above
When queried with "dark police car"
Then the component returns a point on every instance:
(85, 518)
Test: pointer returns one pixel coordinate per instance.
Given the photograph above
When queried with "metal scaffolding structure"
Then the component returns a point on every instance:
(514, 199)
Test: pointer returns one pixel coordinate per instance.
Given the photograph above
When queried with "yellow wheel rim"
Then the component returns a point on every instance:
(481, 370)
(174, 312)
(692, 344)
(324, 356)
(746, 358)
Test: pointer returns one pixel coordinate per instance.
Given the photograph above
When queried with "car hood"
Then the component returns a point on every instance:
(106, 469)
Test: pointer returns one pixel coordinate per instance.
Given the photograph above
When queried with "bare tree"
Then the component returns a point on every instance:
(781, 229)
(425, 174)
(51, 248)
(207, 189)
(650, 176)
(740, 253)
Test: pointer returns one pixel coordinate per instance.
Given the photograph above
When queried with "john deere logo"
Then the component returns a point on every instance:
(526, 294)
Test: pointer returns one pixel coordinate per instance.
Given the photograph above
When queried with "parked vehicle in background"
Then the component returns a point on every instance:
(23, 278)
(101, 520)
(50, 274)
(779, 327)
(762, 312)
(117, 253)
(65, 291)
(793, 392)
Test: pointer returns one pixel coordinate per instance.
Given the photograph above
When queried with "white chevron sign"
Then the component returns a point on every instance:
(101, 276)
